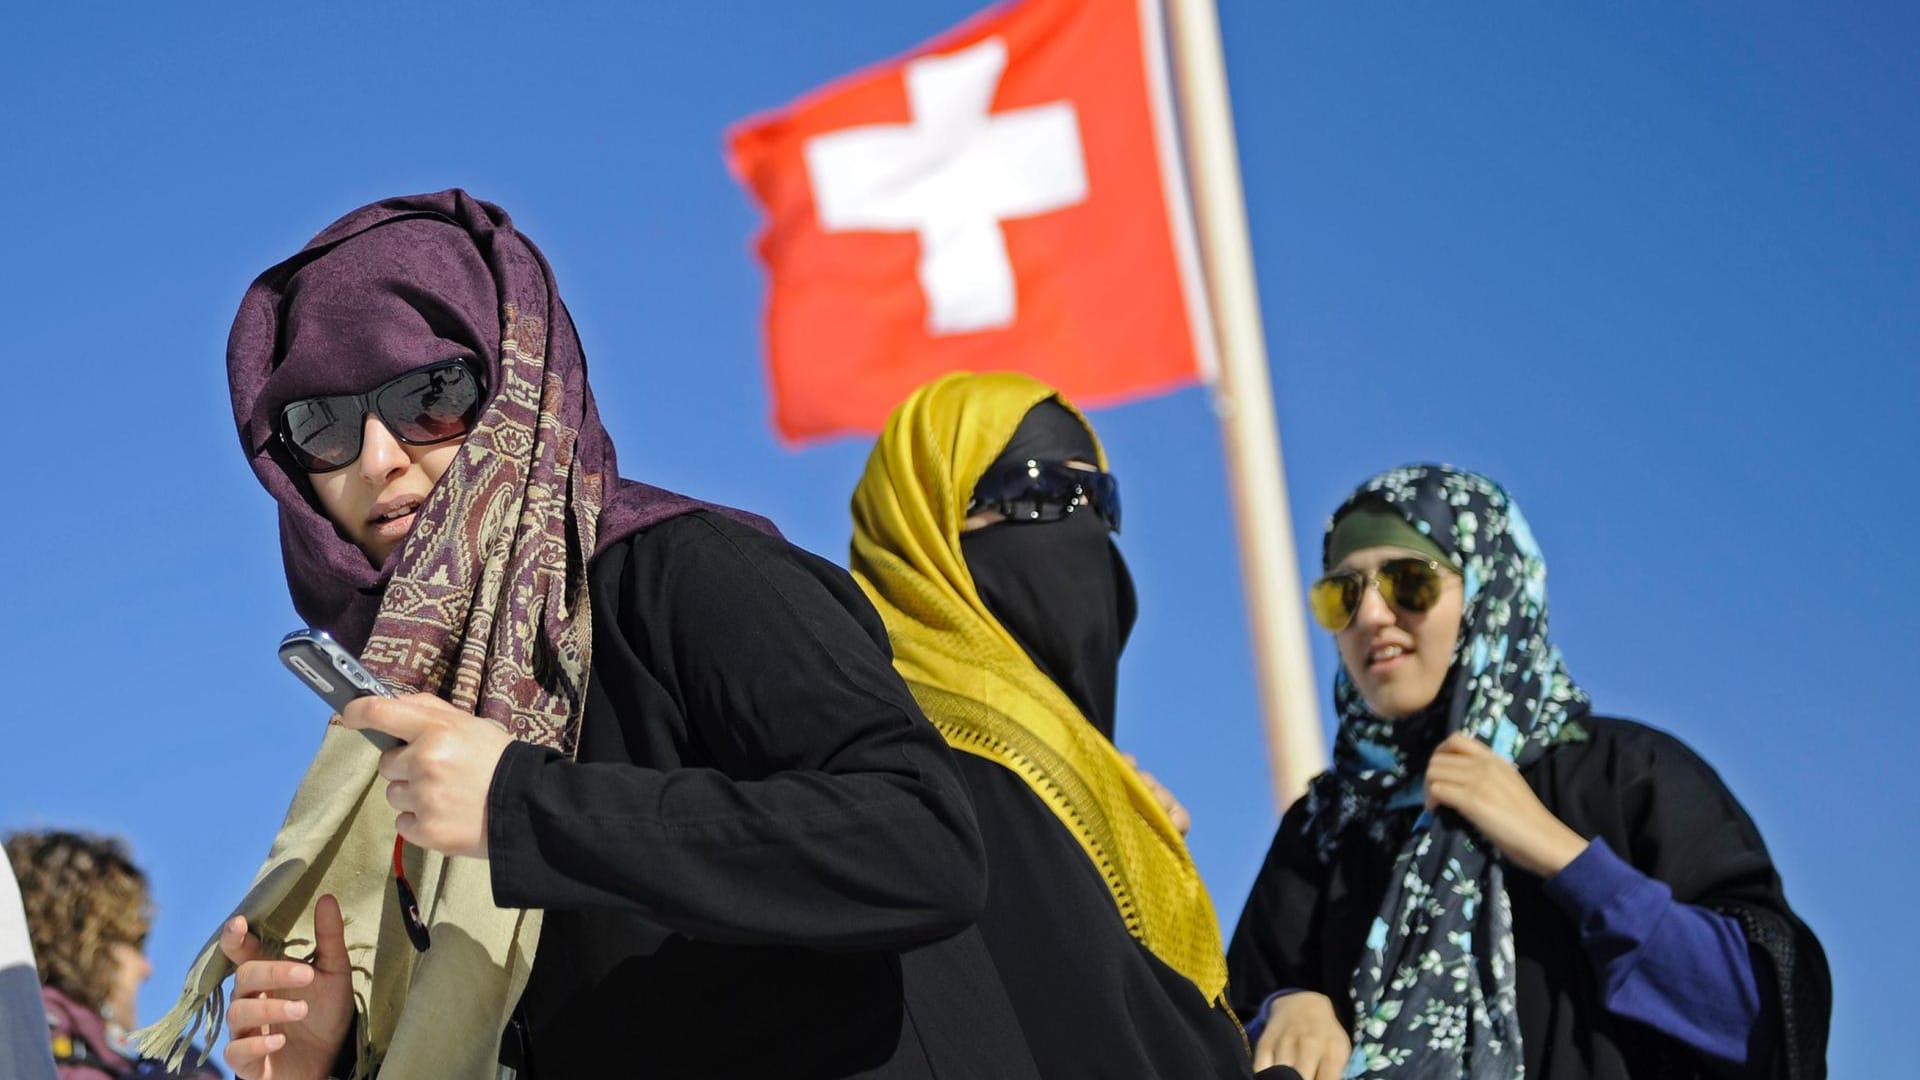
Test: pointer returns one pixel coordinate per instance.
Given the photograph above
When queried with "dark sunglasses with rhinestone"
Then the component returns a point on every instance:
(1033, 491)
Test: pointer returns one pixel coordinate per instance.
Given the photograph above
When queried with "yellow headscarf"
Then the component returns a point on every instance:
(978, 685)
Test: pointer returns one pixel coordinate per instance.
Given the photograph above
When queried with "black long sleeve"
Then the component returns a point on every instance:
(761, 859)
(826, 813)
(1276, 945)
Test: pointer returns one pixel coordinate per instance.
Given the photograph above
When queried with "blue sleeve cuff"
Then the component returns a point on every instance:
(1258, 1023)
(1594, 879)
(1678, 968)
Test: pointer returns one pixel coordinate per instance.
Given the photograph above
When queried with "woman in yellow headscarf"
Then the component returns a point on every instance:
(981, 533)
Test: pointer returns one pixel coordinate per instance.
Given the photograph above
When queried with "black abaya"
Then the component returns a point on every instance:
(763, 862)
(1661, 809)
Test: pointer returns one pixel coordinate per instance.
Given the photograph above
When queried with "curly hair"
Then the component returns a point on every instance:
(82, 895)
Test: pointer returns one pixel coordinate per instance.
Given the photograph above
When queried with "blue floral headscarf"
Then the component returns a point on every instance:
(1433, 994)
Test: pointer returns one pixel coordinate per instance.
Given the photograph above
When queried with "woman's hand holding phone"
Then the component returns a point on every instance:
(439, 774)
(438, 778)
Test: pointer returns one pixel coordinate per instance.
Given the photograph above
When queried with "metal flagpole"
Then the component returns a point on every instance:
(1243, 398)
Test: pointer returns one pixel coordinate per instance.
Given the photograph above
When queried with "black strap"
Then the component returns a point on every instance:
(516, 1047)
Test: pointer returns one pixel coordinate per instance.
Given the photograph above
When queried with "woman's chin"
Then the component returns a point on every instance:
(1391, 705)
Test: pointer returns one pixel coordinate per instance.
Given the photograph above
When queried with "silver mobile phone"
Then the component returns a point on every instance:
(330, 670)
(338, 678)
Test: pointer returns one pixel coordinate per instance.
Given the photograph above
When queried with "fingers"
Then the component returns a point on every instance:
(400, 796)
(1176, 813)
(1182, 820)
(1333, 1061)
(1313, 1059)
(1461, 745)
(254, 1013)
(236, 944)
(330, 937)
(1280, 1045)
(248, 1015)
(253, 975)
(401, 717)
(1268, 1051)
(1160, 793)
(248, 1057)
(268, 994)
(1443, 795)
(1303, 1033)
(391, 765)
(271, 976)
(1294, 1052)
(1441, 784)
(1458, 771)
(401, 765)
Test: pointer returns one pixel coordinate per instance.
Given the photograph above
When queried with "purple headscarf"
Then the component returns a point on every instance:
(392, 286)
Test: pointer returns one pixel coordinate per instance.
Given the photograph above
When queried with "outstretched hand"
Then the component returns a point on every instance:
(1182, 820)
(438, 778)
(288, 1019)
(1466, 776)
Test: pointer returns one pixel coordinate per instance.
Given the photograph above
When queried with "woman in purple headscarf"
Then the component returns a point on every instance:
(667, 807)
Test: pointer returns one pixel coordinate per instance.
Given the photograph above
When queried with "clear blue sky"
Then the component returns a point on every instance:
(1656, 267)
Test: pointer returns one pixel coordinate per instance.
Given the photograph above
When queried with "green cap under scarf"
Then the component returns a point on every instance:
(1378, 526)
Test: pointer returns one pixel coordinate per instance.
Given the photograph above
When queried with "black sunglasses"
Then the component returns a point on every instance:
(1411, 584)
(427, 405)
(1047, 491)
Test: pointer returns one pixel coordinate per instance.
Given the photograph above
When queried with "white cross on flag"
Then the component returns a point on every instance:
(1008, 196)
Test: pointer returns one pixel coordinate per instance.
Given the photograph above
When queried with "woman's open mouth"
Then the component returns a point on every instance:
(391, 520)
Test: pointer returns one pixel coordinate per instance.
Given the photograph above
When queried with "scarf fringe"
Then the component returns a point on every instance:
(364, 1065)
(184, 1026)
(198, 1017)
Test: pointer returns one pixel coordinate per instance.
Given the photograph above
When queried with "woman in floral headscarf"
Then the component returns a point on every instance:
(1492, 881)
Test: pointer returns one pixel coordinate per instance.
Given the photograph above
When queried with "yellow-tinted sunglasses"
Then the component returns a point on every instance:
(1411, 584)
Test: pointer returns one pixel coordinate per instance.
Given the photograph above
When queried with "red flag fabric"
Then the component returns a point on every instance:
(1008, 196)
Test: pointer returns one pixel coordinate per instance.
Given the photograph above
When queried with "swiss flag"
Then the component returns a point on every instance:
(1007, 196)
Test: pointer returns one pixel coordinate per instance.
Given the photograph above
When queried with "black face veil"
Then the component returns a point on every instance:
(1060, 588)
